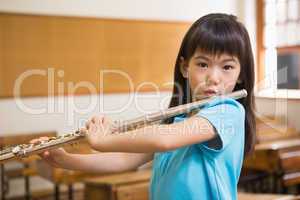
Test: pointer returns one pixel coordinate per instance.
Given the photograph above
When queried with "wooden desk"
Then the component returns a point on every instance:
(123, 186)
(62, 176)
(274, 137)
(135, 186)
(266, 156)
(277, 150)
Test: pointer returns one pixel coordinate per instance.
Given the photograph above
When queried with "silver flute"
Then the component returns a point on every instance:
(24, 150)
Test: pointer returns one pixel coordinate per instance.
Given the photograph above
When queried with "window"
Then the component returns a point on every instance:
(278, 43)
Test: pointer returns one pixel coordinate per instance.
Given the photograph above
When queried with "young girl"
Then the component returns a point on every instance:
(195, 156)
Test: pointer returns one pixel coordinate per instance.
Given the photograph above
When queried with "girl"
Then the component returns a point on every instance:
(196, 156)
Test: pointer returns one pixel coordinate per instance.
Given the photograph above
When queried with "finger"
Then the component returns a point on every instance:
(83, 130)
(88, 124)
(107, 121)
(93, 119)
(114, 127)
(45, 154)
(95, 128)
(90, 127)
(44, 138)
(38, 140)
(50, 160)
(102, 118)
(97, 119)
(34, 141)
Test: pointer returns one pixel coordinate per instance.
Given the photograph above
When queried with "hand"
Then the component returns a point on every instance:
(97, 128)
(52, 156)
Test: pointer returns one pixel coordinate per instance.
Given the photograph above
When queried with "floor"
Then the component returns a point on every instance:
(40, 189)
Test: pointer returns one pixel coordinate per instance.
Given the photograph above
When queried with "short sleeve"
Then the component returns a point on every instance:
(227, 117)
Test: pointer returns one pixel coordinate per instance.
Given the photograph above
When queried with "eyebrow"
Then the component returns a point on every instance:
(202, 57)
(207, 58)
(229, 60)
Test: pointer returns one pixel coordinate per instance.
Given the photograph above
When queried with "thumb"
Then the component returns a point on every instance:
(83, 131)
(44, 154)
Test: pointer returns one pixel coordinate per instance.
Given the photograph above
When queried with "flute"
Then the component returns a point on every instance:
(23, 150)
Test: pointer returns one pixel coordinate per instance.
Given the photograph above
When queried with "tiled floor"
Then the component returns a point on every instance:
(40, 189)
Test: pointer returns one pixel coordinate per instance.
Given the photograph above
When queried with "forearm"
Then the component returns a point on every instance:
(103, 162)
(157, 138)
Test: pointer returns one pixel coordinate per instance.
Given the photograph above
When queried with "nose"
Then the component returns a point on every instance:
(213, 77)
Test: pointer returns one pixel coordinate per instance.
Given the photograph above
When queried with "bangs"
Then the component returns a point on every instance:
(217, 37)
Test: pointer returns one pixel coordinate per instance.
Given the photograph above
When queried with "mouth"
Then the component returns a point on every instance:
(210, 92)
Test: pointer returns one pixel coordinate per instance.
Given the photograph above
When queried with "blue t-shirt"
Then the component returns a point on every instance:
(208, 170)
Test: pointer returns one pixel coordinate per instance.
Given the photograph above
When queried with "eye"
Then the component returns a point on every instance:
(203, 65)
(228, 67)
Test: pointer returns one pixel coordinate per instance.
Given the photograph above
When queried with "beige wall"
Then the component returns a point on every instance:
(14, 119)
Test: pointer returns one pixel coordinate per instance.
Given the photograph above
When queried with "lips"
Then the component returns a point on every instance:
(210, 92)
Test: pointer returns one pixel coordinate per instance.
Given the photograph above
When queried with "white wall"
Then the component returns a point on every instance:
(67, 113)
(14, 119)
(187, 10)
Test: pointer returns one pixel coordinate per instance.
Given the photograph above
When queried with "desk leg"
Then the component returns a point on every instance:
(56, 191)
(70, 190)
(2, 183)
(27, 184)
(298, 189)
(274, 183)
(27, 188)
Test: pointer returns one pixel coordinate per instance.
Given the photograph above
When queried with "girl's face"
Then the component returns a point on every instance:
(211, 75)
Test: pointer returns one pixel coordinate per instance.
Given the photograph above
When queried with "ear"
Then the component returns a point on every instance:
(183, 67)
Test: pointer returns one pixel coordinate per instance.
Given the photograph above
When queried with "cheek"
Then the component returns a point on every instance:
(196, 80)
(229, 86)
(230, 83)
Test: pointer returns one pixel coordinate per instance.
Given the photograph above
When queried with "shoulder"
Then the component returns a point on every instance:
(227, 117)
(223, 106)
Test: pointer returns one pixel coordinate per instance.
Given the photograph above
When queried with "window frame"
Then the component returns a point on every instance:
(261, 78)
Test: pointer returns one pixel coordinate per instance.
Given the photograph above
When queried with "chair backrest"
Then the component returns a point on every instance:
(15, 139)
(290, 166)
(290, 159)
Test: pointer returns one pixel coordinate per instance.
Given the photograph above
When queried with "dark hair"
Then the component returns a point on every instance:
(216, 34)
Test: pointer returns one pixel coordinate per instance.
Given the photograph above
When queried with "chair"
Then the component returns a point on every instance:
(27, 168)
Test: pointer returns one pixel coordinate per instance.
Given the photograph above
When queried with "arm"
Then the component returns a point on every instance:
(100, 162)
(152, 138)
(104, 162)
